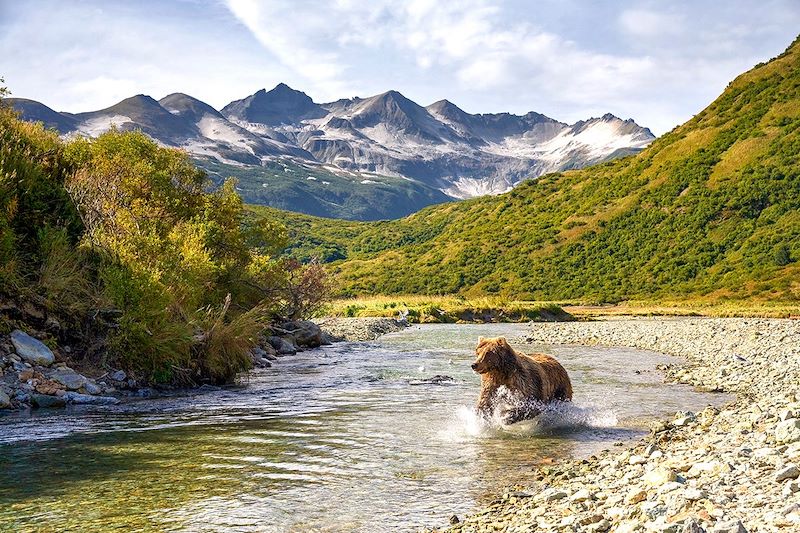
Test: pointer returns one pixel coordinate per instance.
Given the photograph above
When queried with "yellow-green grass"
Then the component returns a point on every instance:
(427, 309)
(709, 308)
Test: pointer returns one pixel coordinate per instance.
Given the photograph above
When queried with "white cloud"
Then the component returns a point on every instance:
(644, 23)
(656, 62)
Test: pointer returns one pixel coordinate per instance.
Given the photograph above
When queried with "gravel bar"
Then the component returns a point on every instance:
(735, 469)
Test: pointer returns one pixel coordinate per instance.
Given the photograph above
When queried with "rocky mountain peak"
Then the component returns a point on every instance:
(280, 105)
(187, 106)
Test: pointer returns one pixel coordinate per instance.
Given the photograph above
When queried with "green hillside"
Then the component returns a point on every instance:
(312, 189)
(709, 209)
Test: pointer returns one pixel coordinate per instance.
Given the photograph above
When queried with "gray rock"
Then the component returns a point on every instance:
(119, 375)
(729, 526)
(260, 358)
(45, 401)
(92, 388)
(788, 431)
(87, 399)
(788, 472)
(282, 346)
(305, 332)
(69, 378)
(261, 362)
(5, 401)
(23, 397)
(32, 350)
(555, 495)
(19, 366)
(269, 353)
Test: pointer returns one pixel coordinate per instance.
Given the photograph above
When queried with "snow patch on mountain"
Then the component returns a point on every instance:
(99, 125)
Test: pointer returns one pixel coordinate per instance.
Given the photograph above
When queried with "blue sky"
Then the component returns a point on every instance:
(656, 61)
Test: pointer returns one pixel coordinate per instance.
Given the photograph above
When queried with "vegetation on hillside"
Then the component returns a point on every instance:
(119, 239)
(709, 210)
(317, 191)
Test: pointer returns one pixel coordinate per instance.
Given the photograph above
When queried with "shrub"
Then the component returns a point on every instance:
(222, 349)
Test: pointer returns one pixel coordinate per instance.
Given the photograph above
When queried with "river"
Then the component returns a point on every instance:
(348, 437)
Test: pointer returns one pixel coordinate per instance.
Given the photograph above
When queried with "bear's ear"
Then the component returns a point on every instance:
(502, 341)
(481, 340)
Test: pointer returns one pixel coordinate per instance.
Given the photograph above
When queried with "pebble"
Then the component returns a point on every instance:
(636, 496)
(659, 476)
(554, 495)
(730, 526)
(788, 431)
(692, 494)
(789, 472)
(581, 496)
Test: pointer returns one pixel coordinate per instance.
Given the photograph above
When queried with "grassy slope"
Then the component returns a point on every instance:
(708, 210)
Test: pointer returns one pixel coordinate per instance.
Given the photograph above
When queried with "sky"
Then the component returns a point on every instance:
(658, 62)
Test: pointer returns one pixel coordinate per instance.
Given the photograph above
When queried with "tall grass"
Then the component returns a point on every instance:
(65, 280)
(223, 348)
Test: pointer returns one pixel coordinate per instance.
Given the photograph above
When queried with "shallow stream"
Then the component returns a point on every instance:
(346, 438)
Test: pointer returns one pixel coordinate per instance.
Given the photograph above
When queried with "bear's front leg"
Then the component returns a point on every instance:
(518, 414)
(486, 400)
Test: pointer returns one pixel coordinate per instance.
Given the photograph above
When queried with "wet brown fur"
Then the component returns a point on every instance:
(535, 377)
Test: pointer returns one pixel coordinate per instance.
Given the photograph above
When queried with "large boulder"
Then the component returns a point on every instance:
(306, 333)
(31, 350)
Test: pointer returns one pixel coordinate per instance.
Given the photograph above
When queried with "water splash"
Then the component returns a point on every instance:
(467, 424)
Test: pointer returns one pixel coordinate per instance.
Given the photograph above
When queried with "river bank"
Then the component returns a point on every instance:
(725, 470)
(358, 329)
(38, 372)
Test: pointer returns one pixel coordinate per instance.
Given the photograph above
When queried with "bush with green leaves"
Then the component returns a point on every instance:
(120, 224)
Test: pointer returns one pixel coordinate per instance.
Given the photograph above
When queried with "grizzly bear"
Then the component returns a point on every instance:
(531, 379)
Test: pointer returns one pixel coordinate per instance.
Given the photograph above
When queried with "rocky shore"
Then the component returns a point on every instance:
(735, 469)
(359, 329)
(32, 374)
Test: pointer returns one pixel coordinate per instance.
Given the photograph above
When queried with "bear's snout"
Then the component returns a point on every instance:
(474, 366)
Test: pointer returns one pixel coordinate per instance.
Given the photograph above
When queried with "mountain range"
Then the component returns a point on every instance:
(384, 156)
(709, 210)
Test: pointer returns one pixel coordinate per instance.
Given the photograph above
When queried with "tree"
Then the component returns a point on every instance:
(3, 89)
(782, 255)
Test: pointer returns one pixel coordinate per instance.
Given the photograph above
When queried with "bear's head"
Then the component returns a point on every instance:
(493, 355)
